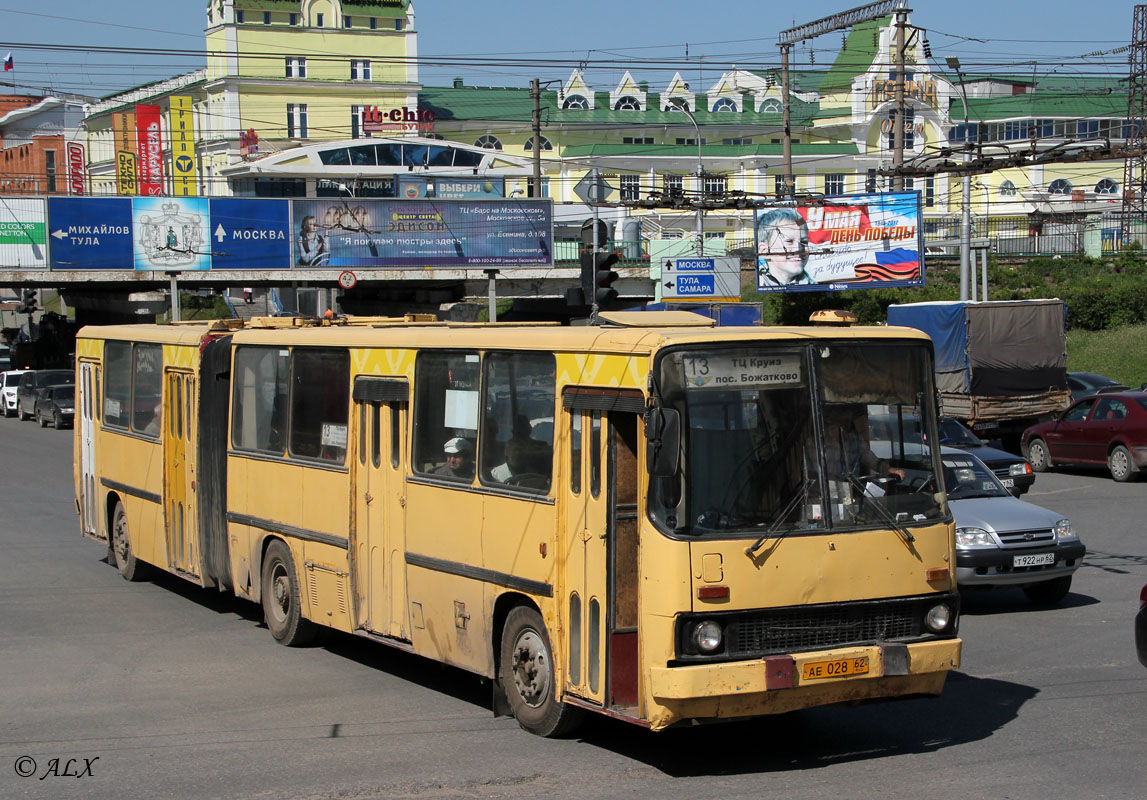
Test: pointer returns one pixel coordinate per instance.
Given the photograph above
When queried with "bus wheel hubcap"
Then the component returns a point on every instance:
(531, 668)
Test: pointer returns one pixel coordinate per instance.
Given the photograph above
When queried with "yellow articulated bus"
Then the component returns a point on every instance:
(649, 518)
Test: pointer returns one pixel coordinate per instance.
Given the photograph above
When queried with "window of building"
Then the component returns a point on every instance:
(929, 192)
(546, 144)
(576, 101)
(909, 130)
(374, 23)
(296, 120)
(630, 186)
(266, 17)
(294, 18)
(674, 184)
(446, 404)
(318, 20)
(779, 185)
(517, 449)
(1105, 186)
(637, 140)
(1007, 189)
(50, 170)
(1060, 186)
(834, 184)
(870, 181)
(347, 22)
(359, 70)
(627, 103)
(725, 105)
(488, 142)
(545, 187)
(772, 106)
(684, 104)
(296, 67)
(740, 141)
(239, 16)
(690, 141)
(716, 185)
(399, 24)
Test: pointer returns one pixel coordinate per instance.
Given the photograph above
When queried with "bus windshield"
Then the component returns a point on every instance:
(782, 438)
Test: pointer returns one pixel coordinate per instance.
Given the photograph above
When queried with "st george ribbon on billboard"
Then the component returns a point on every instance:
(861, 241)
(352, 232)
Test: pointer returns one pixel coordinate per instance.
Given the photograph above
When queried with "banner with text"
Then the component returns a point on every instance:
(422, 233)
(23, 234)
(123, 130)
(149, 150)
(863, 241)
(184, 174)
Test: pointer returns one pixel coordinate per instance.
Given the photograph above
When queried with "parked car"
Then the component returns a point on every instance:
(30, 384)
(1015, 473)
(1003, 541)
(8, 384)
(1102, 429)
(1141, 626)
(1083, 384)
(57, 405)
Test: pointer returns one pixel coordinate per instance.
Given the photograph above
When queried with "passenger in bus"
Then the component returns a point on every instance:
(459, 459)
(153, 427)
(517, 461)
(847, 445)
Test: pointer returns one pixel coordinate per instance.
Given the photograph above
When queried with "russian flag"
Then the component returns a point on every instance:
(9, 63)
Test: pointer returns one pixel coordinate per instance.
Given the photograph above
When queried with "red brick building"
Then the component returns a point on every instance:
(34, 134)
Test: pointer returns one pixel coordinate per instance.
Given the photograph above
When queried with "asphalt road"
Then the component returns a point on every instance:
(163, 690)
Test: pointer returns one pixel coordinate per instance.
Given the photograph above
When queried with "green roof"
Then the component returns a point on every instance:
(475, 103)
(373, 8)
(711, 150)
(1041, 104)
(856, 57)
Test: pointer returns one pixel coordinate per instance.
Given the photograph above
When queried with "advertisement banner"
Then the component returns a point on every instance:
(23, 236)
(250, 233)
(171, 234)
(123, 131)
(77, 169)
(862, 241)
(352, 232)
(184, 173)
(451, 188)
(149, 150)
(91, 233)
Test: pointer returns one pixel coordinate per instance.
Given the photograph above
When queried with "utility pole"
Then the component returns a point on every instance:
(898, 118)
(536, 95)
(1135, 168)
(967, 275)
(787, 189)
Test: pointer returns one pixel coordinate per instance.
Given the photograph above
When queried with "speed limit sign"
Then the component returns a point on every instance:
(347, 280)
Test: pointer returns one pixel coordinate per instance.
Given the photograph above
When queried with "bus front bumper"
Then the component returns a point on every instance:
(779, 684)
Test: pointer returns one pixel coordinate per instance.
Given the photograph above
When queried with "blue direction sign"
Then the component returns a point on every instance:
(715, 278)
(696, 285)
(250, 233)
(90, 233)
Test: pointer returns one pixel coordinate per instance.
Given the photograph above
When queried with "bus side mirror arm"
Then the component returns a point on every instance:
(663, 441)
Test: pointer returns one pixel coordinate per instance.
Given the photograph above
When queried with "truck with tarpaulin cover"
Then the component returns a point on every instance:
(1001, 366)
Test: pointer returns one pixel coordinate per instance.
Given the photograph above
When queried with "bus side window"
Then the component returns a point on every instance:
(445, 412)
(259, 399)
(320, 403)
(519, 408)
(117, 393)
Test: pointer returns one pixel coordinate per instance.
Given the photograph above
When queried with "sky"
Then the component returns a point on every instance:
(547, 41)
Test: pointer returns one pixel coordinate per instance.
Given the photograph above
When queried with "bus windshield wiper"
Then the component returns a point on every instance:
(798, 495)
(881, 512)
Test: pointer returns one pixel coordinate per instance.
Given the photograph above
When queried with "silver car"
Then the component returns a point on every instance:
(1003, 541)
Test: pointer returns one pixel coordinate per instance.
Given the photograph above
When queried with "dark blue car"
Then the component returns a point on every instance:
(1014, 472)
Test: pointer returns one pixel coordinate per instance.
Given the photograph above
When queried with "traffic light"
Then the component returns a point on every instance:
(27, 302)
(603, 292)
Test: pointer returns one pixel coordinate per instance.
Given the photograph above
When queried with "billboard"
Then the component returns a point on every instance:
(862, 241)
(90, 232)
(149, 141)
(23, 234)
(123, 128)
(170, 233)
(353, 232)
(184, 175)
(77, 169)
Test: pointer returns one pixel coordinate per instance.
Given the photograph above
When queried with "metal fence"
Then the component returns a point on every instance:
(1036, 235)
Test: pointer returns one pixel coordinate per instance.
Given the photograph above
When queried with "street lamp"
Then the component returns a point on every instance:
(680, 104)
(966, 185)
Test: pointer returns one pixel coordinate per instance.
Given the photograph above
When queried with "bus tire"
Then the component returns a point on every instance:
(282, 609)
(130, 567)
(526, 672)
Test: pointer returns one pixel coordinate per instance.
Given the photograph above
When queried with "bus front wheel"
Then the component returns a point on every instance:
(280, 590)
(526, 672)
(130, 567)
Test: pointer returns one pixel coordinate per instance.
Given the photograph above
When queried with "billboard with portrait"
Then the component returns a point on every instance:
(860, 241)
(353, 232)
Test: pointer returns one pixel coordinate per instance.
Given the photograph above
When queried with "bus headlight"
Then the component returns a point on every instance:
(973, 537)
(707, 636)
(938, 617)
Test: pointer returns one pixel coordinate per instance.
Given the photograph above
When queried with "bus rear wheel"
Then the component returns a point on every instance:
(280, 590)
(526, 672)
(130, 567)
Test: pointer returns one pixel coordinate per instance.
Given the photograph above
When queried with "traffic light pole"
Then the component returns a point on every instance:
(596, 222)
(175, 297)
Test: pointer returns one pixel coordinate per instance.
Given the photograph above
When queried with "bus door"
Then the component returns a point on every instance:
(178, 475)
(86, 408)
(378, 549)
(600, 586)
